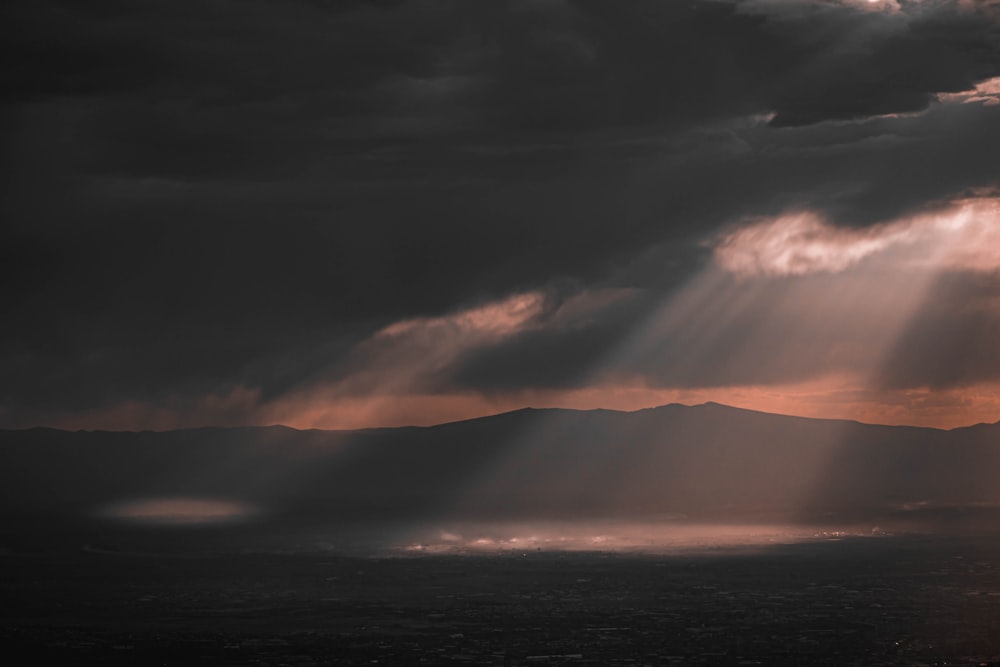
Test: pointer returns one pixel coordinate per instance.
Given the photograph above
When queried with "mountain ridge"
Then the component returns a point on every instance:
(706, 460)
(526, 409)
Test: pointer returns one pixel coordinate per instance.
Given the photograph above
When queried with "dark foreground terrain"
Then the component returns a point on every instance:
(888, 600)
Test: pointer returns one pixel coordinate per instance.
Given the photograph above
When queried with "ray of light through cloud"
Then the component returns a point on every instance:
(875, 280)
(808, 310)
(390, 371)
(789, 305)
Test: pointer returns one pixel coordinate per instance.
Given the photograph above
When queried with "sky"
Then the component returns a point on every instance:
(351, 214)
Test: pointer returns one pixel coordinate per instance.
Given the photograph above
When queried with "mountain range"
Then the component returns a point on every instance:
(703, 461)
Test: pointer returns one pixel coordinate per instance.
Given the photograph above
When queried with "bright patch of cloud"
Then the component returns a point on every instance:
(987, 92)
(797, 244)
(407, 356)
(787, 6)
(964, 236)
(487, 322)
(878, 5)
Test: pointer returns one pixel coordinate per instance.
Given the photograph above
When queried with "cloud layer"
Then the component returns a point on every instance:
(215, 211)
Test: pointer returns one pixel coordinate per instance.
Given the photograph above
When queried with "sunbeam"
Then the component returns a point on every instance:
(792, 311)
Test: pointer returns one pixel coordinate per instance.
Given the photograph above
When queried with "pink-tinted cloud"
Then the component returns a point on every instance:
(986, 92)
(485, 322)
(797, 244)
(962, 236)
(406, 355)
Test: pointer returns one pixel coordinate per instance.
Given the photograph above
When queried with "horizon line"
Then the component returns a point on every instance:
(526, 408)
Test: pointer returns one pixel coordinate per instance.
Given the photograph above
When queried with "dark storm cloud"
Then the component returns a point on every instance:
(862, 64)
(200, 196)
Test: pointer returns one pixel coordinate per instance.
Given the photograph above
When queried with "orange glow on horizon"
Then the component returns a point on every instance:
(835, 397)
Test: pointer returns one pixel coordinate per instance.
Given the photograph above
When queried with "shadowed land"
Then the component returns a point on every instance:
(695, 536)
(706, 462)
(875, 601)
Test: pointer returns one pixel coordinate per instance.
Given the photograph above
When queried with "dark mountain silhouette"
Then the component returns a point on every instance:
(705, 461)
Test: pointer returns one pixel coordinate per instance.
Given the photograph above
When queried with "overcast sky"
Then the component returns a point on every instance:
(342, 214)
